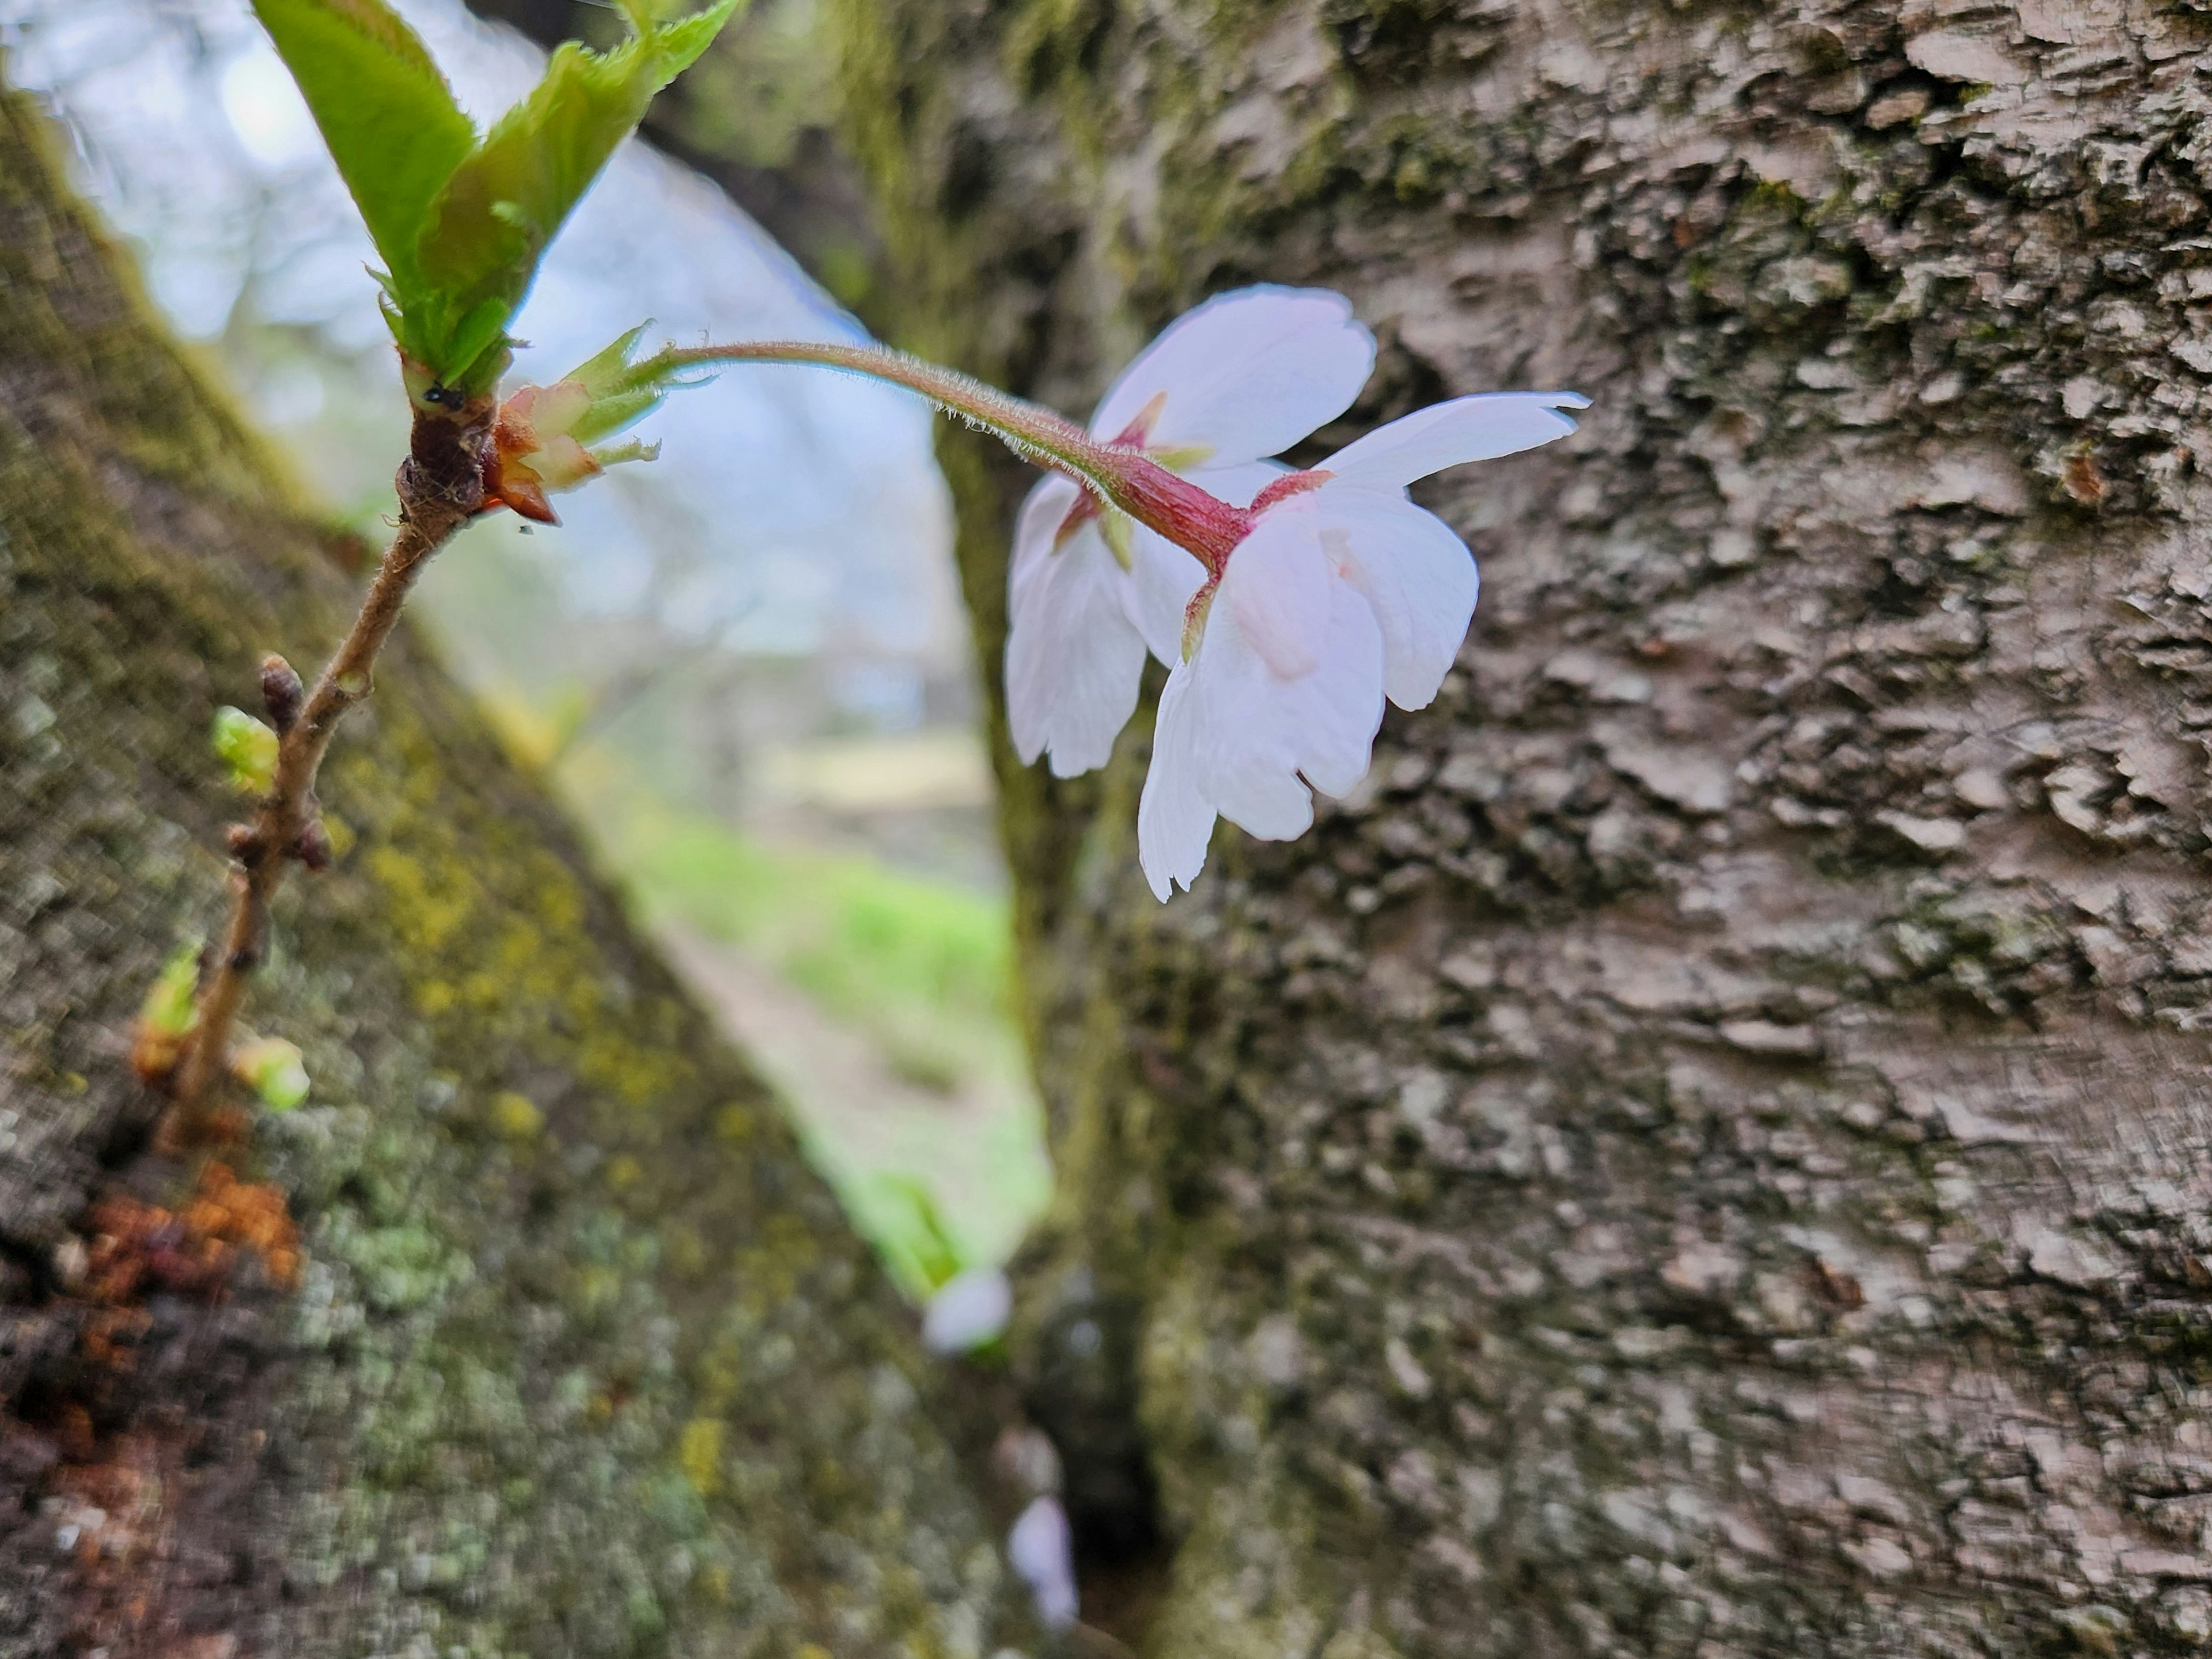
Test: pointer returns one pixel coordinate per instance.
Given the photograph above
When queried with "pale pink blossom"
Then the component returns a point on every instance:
(1242, 378)
(968, 1310)
(1040, 1546)
(1341, 593)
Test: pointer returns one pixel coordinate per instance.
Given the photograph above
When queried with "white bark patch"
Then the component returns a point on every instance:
(1690, 779)
(2069, 1259)
(1979, 478)
(1702, 1268)
(1957, 55)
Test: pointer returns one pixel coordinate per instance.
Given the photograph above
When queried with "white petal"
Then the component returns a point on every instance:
(1477, 428)
(1258, 728)
(1041, 1547)
(1074, 660)
(1161, 581)
(1174, 821)
(1246, 374)
(1237, 484)
(966, 1311)
(1278, 584)
(1414, 570)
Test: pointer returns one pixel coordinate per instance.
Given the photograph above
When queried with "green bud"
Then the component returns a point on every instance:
(248, 747)
(272, 1068)
(171, 1003)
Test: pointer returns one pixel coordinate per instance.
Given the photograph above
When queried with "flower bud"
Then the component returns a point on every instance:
(538, 440)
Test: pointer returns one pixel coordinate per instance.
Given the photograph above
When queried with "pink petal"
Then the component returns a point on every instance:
(1478, 429)
(1415, 572)
(1247, 375)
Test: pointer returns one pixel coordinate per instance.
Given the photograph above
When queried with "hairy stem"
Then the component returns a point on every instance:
(439, 487)
(1147, 492)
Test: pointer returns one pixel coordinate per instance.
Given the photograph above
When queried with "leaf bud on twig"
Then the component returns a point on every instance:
(281, 692)
(312, 849)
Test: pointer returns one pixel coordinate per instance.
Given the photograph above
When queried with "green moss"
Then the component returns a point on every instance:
(535, 1248)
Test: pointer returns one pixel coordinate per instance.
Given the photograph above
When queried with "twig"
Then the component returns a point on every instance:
(440, 488)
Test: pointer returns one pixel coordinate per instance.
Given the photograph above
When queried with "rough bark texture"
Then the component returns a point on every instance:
(1708, 1153)
(581, 1358)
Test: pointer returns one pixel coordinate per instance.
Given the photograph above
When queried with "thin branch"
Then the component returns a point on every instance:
(1121, 477)
(440, 488)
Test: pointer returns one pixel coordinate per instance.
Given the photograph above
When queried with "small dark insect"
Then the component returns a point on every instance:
(444, 396)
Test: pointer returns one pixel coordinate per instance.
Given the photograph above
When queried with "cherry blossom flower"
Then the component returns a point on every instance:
(1244, 376)
(1341, 594)
(1312, 598)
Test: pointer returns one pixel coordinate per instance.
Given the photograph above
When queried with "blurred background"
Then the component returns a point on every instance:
(744, 667)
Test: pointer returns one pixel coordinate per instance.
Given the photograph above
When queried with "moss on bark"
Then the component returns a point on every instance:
(1705, 1153)
(583, 1359)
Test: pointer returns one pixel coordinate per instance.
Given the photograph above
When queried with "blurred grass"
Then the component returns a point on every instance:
(919, 968)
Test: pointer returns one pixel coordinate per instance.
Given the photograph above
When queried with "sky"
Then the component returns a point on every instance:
(790, 509)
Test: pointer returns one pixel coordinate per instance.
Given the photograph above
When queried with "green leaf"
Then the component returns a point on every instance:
(507, 197)
(384, 111)
(920, 1245)
(247, 747)
(273, 1069)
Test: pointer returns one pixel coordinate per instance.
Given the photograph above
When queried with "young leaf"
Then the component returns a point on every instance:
(167, 1017)
(272, 1068)
(169, 1006)
(384, 111)
(247, 747)
(505, 201)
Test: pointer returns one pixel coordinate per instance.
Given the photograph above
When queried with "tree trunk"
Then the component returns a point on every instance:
(1707, 1153)
(571, 1354)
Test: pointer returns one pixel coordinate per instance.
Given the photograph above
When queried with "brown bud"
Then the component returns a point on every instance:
(312, 849)
(281, 694)
(240, 839)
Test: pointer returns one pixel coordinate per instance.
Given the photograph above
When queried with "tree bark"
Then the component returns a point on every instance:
(1707, 1152)
(571, 1354)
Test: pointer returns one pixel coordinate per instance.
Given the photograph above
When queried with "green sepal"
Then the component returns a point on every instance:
(610, 367)
(623, 391)
(630, 449)
(247, 746)
(385, 111)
